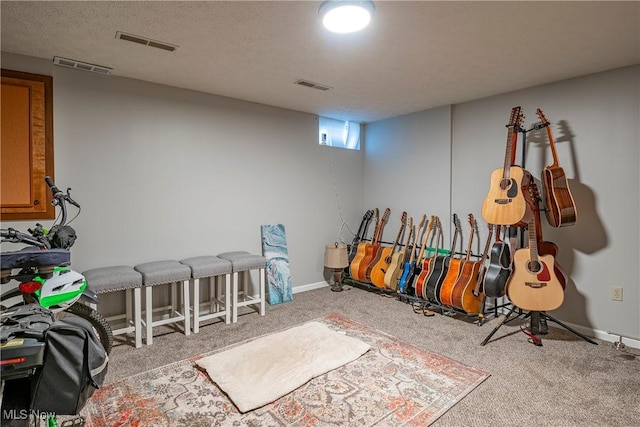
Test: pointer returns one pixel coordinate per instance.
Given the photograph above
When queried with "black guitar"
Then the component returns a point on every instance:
(437, 270)
(499, 270)
(362, 231)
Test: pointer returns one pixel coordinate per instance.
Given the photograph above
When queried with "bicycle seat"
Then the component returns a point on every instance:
(34, 257)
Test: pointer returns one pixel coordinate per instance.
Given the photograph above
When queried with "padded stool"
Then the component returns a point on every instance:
(115, 279)
(161, 273)
(243, 262)
(213, 268)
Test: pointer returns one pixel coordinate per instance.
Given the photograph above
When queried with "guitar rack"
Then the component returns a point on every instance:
(538, 319)
(422, 303)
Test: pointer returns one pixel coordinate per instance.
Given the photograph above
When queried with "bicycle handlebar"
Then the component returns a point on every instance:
(14, 236)
(40, 239)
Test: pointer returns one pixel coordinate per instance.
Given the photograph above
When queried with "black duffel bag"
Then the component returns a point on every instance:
(75, 365)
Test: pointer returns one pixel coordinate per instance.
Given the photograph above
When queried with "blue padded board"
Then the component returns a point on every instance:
(274, 249)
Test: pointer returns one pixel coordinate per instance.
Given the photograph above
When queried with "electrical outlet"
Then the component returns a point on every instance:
(616, 293)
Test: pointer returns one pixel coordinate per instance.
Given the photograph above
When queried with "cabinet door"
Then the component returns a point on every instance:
(26, 146)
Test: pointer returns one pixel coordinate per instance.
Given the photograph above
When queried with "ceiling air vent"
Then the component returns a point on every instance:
(78, 65)
(145, 41)
(313, 85)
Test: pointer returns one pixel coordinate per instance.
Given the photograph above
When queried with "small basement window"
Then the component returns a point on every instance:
(338, 133)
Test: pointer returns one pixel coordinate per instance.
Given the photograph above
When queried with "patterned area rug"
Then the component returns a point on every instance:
(393, 384)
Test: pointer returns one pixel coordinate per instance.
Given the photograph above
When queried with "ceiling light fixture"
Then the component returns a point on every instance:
(343, 16)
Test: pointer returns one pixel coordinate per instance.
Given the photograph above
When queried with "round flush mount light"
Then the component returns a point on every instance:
(342, 16)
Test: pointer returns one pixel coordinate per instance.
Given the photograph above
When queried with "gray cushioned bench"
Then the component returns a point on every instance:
(243, 262)
(159, 273)
(213, 269)
(116, 279)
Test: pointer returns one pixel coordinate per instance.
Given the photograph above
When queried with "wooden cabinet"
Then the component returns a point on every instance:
(26, 146)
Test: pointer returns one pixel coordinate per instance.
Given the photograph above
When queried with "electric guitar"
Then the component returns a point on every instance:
(360, 235)
(534, 286)
(561, 208)
(465, 295)
(438, 267)
(410, 263)
(392, 276)
(455, 266)
(497, 275)
(372, 253)
(354, 266)
(505, 203)
(419, 264)
(380, 268)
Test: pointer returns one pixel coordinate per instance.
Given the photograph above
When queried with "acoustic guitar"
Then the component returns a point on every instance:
(380, 268)
(360, 235)
(505, 203)
(455, 267)
(372, 253)
(410, 263)
(561, 208)
(354, 266)
(497, 275)
(422, 270)
(465, 295)
(545, 247)
(420, 262)
(534, 286)
(438, 267)
(392, 276)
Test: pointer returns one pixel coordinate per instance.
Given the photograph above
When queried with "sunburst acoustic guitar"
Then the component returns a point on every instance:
(561, 208)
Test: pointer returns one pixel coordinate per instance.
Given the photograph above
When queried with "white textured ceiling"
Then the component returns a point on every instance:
(415, 55)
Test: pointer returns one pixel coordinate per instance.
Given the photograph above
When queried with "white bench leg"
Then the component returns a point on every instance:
(227, 298)
(196, 306)
(186, 307)
(137, 316)
(262, 274)
(234, 295)
(149, 315)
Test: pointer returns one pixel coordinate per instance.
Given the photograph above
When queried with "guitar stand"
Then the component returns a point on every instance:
(538, 326)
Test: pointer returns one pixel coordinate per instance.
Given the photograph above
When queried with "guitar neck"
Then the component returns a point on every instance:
(552, 143)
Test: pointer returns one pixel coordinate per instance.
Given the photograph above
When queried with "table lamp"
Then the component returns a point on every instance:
(336, 259)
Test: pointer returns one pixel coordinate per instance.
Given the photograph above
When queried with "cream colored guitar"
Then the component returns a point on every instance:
(505, 203)
(533, 285)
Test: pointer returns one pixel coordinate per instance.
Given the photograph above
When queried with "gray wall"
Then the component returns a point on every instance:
(442, 164)
(168, 173)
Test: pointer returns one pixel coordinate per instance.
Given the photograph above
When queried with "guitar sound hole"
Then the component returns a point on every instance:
(505, 184)
(534, 267)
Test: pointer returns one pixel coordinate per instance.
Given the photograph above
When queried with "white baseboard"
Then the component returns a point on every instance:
(309, 287)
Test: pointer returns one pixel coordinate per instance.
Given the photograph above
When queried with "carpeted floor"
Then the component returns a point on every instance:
(565, 382)
(394, 383)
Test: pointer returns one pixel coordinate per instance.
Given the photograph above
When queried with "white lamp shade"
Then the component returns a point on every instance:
(335, 256)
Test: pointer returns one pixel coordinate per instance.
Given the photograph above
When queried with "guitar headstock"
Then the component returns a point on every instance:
(385, 216)
(472, 223)
(542, 118)
(534, 193)
(517, 118)
(368, 215)
(456, 222)
(403, 218)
